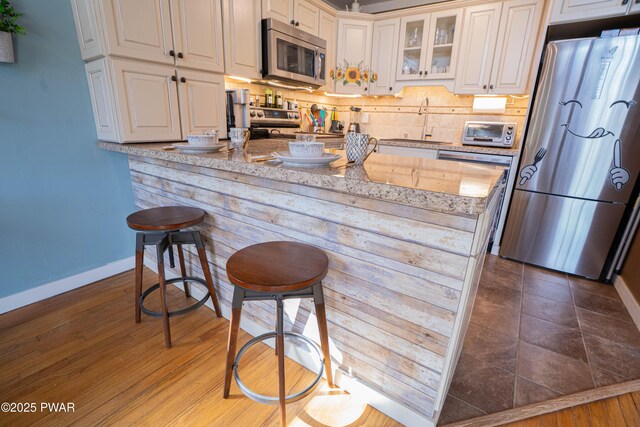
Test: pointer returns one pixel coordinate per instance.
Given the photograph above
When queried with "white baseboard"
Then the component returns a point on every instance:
(354, 386)
(66, 284)
(628, 299)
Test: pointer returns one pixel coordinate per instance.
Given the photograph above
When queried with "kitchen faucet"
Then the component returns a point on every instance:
(424, 109)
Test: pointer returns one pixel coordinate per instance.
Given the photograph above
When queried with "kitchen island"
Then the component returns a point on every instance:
(405, 237)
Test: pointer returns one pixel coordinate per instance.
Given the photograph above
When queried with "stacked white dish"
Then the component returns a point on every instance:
(306, 154)
(200, 144)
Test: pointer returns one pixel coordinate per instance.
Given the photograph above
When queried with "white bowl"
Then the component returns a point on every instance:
(201, 140)
(306, 149)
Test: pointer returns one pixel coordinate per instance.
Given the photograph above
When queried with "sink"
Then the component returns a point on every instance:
(419, 141)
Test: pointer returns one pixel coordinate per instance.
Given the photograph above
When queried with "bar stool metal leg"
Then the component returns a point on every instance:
(207, 273)
(321, 316)
(183, 271)
(236, 312)
(282, 392)
(163, 296)
(139, 270)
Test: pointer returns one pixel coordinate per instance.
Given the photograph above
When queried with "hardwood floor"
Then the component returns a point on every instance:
(83, 347)
(618, 411)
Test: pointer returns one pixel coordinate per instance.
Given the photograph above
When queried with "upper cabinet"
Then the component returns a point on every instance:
(327, 30)
(580, 10)
(186, 33)
(429, 46)
(353, 56)
(138, 29)
(197, 34)
(497, 47)
(300, 13)
(383, 57)
(242, 38)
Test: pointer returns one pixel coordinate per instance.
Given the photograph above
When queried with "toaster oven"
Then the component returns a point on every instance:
(489, 134)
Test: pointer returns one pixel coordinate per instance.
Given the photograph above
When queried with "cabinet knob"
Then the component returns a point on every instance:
(484, 86)
(297, 23)
(420, 72)
(293, 22)
(173, 78)
(180, 55)
(172, 53)
(491, 87)
(365, 89)
(390, 88)
(183, 80)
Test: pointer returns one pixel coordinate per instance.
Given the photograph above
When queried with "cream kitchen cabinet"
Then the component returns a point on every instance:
(301, 13)
(353, 56)
(383, 58)
(185, 33)
(581, 10)
(497, 47)
(242, 38)
(429, 46)
(328, 32)
(135, 101)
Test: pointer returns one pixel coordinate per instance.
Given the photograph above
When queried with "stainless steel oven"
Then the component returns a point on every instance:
(291, 55)
(502, 162)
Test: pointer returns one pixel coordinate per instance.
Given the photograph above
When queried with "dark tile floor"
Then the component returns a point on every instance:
(537, 334)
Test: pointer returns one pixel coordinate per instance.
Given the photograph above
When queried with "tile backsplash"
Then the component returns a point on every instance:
(397, 117)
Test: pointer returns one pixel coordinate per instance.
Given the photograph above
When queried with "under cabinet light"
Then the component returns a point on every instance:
(340, 95)
(489, 104)
(242, 79)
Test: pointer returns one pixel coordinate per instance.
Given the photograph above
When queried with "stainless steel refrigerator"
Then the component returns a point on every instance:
(581, 158)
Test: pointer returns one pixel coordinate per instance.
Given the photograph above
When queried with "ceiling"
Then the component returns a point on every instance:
(377, 6)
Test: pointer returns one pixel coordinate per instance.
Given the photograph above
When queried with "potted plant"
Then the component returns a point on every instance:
(8, 25)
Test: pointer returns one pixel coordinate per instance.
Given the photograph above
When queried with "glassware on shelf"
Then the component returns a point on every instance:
(441, 36)
(413, 38)
(450, 33)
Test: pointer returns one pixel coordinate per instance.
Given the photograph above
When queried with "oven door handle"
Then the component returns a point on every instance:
(475, 158)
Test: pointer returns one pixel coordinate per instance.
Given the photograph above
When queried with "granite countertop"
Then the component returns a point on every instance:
(449, 146)
(445, 186)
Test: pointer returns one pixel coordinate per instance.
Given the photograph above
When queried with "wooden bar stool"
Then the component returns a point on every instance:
(277, 271)
(161, 227)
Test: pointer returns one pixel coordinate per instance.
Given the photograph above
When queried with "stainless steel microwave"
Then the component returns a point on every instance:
(490, 134)
(291, 55)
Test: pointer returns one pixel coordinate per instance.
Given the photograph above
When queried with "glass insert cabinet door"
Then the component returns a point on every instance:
(429, 46)
(443, 44)
(414, 33)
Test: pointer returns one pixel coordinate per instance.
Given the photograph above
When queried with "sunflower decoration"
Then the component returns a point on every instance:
(351, 74)
(374, 77)
(331, 73)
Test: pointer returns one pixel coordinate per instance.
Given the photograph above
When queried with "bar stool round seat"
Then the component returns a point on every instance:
(164, 227)
(277, 271)
(277, 267)
(165, 218)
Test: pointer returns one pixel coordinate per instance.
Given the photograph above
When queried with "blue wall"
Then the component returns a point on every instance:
(63, 202)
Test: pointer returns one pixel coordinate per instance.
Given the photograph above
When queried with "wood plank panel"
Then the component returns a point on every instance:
(396, 274)
(452, 240)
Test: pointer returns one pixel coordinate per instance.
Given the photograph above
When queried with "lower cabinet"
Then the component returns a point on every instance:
(141, 102)
(425, 153)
